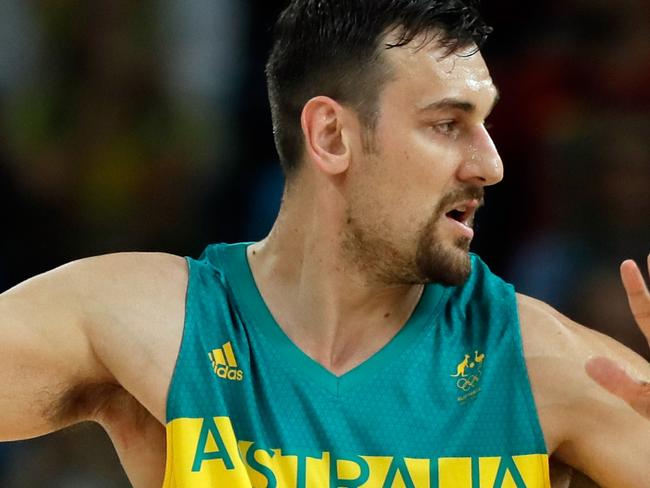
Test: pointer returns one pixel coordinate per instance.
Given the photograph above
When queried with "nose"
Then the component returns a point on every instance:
(482, 164)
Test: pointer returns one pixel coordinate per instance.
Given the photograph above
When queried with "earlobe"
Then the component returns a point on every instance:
(322, 123)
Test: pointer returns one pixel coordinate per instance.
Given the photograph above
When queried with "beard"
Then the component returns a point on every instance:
(436, 262)
(431, 260)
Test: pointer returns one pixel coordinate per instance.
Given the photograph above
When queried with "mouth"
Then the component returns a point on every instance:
(464, 212)
(462, 216)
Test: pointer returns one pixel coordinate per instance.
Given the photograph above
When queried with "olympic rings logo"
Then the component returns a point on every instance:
(466, 383)
(468, 373)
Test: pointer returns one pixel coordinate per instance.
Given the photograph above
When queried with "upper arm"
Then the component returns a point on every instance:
(584, 425)
(44, 351)
(75, 335)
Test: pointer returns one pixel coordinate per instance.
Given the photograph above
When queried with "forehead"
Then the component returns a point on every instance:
(424, 73)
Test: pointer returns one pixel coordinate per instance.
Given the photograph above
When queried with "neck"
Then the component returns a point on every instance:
(327, 305)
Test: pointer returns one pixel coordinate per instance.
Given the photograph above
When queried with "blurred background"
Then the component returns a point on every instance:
(145, 126)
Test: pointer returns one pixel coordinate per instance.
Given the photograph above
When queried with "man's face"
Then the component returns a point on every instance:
(412, 199)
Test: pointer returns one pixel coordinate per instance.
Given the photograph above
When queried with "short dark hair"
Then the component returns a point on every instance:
(331, 48)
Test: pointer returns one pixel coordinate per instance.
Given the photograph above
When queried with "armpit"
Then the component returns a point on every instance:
(564, 476)
(95, 401)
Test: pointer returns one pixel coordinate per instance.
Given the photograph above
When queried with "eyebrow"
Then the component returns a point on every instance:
(458, 104)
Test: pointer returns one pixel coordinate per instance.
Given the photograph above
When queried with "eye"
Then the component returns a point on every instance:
(448, 128)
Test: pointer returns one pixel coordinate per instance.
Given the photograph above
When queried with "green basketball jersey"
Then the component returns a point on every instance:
(445, 404)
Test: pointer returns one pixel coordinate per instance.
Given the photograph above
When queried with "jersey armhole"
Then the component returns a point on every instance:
(184, 334)
(523, 367)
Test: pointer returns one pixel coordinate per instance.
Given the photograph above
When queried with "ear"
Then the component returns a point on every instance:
(326, 141)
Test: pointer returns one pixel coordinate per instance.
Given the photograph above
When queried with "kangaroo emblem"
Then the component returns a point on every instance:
(460, 369)
(478, 358)
(468, 375)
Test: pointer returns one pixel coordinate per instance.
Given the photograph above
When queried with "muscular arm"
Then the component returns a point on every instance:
(44, 351)
(584, 426)
(94, 340)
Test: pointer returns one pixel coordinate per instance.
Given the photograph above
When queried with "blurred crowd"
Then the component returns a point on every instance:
(145, 126)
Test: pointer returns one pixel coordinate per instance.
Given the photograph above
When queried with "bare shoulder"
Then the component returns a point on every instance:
(550, 336)
(101, 271)
(583, 424)
(74, 336)
(134, 304)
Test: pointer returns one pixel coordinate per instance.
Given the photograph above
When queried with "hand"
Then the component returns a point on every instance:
(606, 372)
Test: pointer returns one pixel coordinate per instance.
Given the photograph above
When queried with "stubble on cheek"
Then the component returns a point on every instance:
(370, 251)
(384, 255)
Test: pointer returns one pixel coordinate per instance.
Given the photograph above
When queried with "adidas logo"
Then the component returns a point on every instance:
(224, 363)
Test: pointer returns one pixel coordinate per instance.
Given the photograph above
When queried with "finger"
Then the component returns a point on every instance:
(632, 278)
(614, 379)
(637, 294)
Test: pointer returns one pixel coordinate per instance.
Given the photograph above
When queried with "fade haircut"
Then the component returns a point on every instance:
(334, 48)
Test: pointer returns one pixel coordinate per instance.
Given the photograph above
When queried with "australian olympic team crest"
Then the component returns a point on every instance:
(468, 376)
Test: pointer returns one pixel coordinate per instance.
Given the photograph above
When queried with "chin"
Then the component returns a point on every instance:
(444, 264)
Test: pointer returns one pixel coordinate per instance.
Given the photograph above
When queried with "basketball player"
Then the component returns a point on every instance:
(360, 343)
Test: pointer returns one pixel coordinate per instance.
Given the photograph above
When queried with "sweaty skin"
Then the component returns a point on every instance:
(97, 339)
